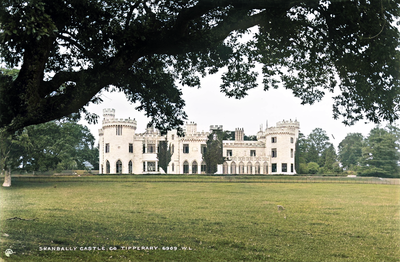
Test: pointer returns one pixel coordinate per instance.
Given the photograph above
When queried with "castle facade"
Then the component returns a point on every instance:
(123, 150)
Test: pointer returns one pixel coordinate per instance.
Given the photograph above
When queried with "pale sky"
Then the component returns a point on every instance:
(208, 106)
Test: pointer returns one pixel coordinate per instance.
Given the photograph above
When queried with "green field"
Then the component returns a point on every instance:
(227, 221)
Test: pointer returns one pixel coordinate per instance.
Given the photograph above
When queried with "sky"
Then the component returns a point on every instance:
(208, 106)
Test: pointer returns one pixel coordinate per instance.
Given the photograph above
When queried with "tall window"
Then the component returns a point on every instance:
(225, 168)
(291, 153)
(292, 140)
(257, 168)
(203, 167)
(274, 152)
(130, 148)
(274, 139)
(118, 130)
(241, 168)
(203, 148)
(233, 168)
(252, 152)
(173, 149)
(291, 168)
(194, 167)
(118, 167)
(284, 167)
(186, 148)
(107, 148)
(108, 167)
(130, 167)
(186, 167)
(273, 168)
(173, 167)
(249, 168)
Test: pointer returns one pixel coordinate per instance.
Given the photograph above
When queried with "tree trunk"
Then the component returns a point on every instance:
(7, 178)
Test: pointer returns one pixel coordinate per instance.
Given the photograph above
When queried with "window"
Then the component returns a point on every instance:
(186, 167)
(144, 150)
(151, 148)
(130, 167)
(118, 130)
(291, 153)
(130, 148)
(225, 168)
(186, 148)
(257, 168)
(194, 167)
(291, 168)
(273, 168)
(274, 139)
(203, 167)
(284, 167)
(252, 152)
(108, 167)
(228, 152)
(233, 168)
(173, 167)
(249, 168)
(203, 148)
(241, 168)
(144, 166)
(172, 137)
(292, 140)
(118, 167)
(151, 166)
(265, 168)
(172, 149)
(274, 152)
(107, 148)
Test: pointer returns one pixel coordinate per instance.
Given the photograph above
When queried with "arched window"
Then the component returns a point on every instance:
(203, 167)
(241, 168)
(186, 167)
(194, 167)
(265, 168)
(130, 167)
(118, 167)
(257, 168)
(108, 167)
(249, 168)
(225, 168)
(233, 168)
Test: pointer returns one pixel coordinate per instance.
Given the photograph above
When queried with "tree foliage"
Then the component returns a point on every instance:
(213, 155)
(350, 150)
(381, 153)
(56, 145)
(69, 51)
(164, 155)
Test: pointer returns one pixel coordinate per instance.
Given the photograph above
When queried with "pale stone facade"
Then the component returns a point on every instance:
(122, 150)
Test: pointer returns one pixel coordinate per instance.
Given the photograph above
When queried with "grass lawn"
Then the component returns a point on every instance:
(212, 221)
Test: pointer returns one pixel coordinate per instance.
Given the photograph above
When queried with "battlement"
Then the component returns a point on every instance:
(289, 123)
(216, 128)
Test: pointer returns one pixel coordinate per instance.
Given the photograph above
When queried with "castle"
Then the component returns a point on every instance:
(124, 151)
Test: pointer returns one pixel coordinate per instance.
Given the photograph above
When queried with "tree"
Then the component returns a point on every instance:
(69, 51)
(164, 155)
(381, 155)
(350, 150)
(329, 158)
(213, 152)
(59, 145)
